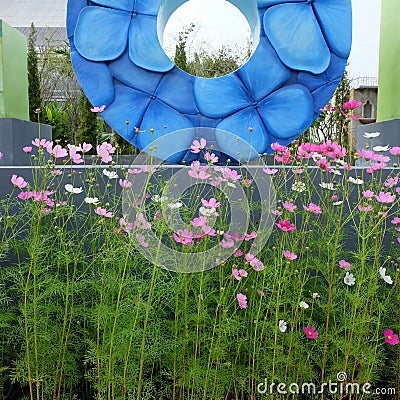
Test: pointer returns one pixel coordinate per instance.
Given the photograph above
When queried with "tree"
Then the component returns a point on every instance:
(35, 99)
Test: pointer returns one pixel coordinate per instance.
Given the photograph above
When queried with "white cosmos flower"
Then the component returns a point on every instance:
(91, 200)
(316, 157)
(338, 203)
(303, 305)
(382, 148)
(335, 171)
(327, 185)
(349, 279)
(356, 181)
(176, 205)
(371, 135)
(159, 199)
(69, 188)
(110, 174)
(282, 325)
(299, 186)
(207, 211)
(385, 277)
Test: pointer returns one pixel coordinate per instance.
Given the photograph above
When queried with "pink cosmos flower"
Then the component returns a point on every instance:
(238, 253)
(313, 208)
(236, 237)
(352, 104)
(310, 332)
(385, 197)
(364, 208)
(57, 151)
(277, 212)
(42, 196)
(27, 149)
(158, 214)
(74, 155)
(392, 181)
(261, 293)
(289, 206)
(306, 150)
(230, 174)
(211, 157)
(324, 165)
(141, 240)
(368, 194)
(197, 145)
(86, 147)
(297, 170)
(141, 222)
(247, 182)
(56, 172)
(147, 169)
(18, 181)
(227, 244)
(285, 226)
(199, 221)
(1, 155)
(290, 256)
(198, 172)
(242, 300)
(134, 171)
(103, 212)
(25, 195)
(345, 265)
(124, 183)
(335, 197)
(278, 147)
(390, 337)
(208, 230)
(126, 226)
(212, 203)
(98, 109)
(183, 236)
(256, 264)
(239, 274)
(395, 221)
(395, 151)
(270, 171)
(43, 143)
(250, 236)
(104, 150)
(249, 257)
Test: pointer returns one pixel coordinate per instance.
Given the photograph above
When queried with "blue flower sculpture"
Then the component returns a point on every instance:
(302, 51)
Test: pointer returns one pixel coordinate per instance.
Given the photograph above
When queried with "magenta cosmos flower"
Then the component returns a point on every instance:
(310, 332)
(285, 226)
(390, 337)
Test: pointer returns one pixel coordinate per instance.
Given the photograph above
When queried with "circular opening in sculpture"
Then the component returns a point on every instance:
(209, 38)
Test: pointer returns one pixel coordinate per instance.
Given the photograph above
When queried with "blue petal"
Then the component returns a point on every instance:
(233, 133)
(101, 34)
(144, 47)
(147, 7)
(73, 10)
(288, 111)
(135, 77)
(95, 80)
(296, 36)
(268, 3)
(323, 94)
(273, 75)
(220, 97)
(126, 5)
(335, 20)
(176, 89)
(334, 72)
(165, 120)
(129, 105)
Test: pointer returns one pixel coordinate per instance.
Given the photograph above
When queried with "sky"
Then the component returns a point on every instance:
(230, 27)
(211, 15)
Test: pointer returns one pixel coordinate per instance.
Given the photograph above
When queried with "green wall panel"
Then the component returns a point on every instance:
(389, 62)
(14, 101)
